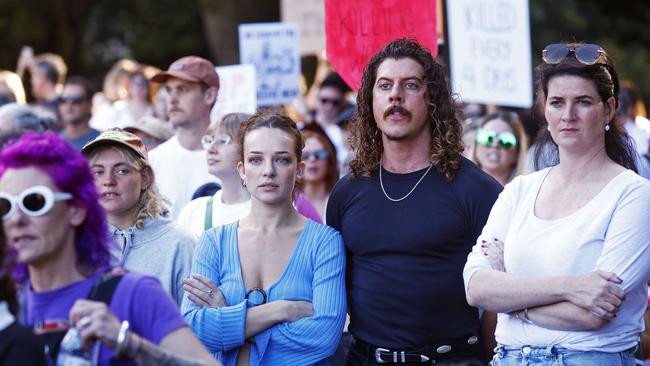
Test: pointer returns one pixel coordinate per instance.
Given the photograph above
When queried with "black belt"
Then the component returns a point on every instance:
(465, 347)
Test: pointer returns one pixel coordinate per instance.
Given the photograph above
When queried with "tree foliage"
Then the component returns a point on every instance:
(91, 35)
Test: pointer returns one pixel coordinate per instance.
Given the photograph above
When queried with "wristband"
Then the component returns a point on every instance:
(121, 338)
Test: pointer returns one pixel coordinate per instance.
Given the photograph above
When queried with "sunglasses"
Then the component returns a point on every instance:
(506, 140)
(587, 54)
(34, 201)
(334, 102)
(71, 100)
(318, 155)
(208, 140)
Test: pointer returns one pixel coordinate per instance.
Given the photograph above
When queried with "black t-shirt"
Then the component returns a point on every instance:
(405, 259)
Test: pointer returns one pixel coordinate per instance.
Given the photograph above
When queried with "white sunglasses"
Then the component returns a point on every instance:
(34, 201)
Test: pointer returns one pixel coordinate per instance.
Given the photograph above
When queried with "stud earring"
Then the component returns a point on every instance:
(607, 127)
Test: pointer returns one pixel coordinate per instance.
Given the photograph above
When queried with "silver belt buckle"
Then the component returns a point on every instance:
(378, 355)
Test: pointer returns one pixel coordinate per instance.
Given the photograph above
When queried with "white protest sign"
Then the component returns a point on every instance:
(274, 50)
(309, 15)
(489, 48)
(237, 91)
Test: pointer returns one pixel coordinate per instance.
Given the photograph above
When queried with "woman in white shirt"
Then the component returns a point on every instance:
(564, 257)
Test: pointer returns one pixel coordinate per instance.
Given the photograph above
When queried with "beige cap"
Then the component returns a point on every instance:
(117, 135)
(151, 126)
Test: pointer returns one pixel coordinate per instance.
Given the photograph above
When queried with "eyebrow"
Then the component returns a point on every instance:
(120, 164)
(406, 78)
(283, 152)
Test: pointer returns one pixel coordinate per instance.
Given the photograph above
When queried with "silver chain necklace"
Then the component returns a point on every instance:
(381, 183)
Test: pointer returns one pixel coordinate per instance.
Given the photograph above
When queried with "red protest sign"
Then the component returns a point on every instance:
(356, 29)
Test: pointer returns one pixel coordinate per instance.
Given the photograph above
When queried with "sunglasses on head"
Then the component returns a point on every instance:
(334, 102)
(318, 155)
(506, 140)
(587, 54)
(34, 201)
(71, 100)
(208, 140)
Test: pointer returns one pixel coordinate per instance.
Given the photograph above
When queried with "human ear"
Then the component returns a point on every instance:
(147, 179)
(300, 170)
(610, 108)
(78, 214)
(241, 171)
(210, 95)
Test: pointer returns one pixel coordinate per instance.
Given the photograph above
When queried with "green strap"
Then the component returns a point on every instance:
(208, 214)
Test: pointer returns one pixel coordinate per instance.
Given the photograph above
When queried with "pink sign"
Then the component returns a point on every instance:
(356, 29)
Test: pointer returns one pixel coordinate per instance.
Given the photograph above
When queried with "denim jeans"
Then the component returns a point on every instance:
(558, 356)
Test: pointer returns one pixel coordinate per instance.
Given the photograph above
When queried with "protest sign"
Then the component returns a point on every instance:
(309, 15)
(357, 29)
(274, 50)
(237, 91)
(489, 44)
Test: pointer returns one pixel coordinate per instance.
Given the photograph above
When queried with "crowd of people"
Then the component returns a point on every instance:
(400, 227)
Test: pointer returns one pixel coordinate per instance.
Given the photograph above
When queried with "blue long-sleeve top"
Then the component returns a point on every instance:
(314, 273)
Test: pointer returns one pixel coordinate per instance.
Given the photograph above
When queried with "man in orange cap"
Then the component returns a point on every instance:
(192, 85)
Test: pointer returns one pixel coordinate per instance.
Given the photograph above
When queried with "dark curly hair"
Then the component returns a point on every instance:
(446, 129)
(602, 73)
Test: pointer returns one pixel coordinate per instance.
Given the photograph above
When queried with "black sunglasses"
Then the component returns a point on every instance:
(72, 100)
(334, 102)
(587, 54)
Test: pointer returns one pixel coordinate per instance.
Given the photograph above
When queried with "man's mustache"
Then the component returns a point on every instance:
(396, 108)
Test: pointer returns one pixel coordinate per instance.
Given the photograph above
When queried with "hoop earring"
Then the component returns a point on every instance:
(607, 127)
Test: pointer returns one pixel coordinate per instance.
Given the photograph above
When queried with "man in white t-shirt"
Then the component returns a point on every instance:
(192, 85)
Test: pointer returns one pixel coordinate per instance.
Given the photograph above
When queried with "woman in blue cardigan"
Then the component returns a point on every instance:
(270, 288)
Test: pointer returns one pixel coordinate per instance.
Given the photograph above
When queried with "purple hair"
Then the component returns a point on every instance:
(70, 172)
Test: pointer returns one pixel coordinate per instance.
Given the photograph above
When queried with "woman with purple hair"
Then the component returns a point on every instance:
(52, 219)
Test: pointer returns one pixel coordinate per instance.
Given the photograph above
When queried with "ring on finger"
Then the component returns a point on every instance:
(84, 322)
(210, 292)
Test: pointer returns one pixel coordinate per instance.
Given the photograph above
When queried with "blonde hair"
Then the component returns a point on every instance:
(12, 81)
(150, 203)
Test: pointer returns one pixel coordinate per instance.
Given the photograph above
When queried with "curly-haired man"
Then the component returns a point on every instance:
(409, 211)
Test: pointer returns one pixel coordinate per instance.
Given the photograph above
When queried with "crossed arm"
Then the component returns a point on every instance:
(580, 302)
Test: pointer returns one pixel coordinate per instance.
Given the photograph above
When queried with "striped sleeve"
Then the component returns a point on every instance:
(315, 338)
(219, 329)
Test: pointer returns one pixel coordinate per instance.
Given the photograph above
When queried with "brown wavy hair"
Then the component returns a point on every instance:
(618, 144)
(446, 129)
